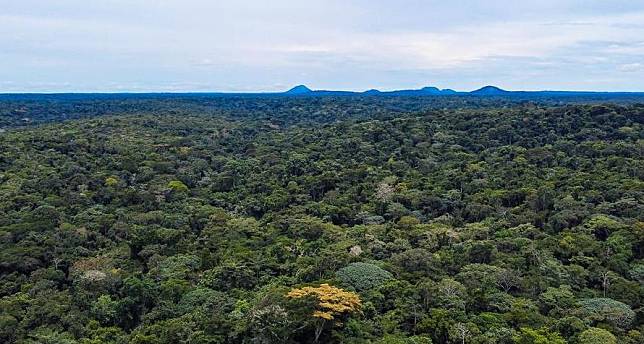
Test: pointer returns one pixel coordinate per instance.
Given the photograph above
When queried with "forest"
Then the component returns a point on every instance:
(203, 219)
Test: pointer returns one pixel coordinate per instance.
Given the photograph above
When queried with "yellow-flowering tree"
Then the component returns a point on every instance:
(332, 303)
(111, 181)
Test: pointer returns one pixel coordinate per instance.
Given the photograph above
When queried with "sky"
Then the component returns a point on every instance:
(260, 45)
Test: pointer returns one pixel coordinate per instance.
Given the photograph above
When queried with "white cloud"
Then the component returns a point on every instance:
(632, 67)
(355, 44)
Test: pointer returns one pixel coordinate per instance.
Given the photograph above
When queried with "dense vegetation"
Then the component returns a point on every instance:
(323, 219)
(24, 110)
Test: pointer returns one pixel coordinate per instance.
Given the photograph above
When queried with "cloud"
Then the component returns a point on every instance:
(253, 45)
(632, 67)
(468, 45)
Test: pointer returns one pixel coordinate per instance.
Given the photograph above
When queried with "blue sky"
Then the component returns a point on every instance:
(244, 45)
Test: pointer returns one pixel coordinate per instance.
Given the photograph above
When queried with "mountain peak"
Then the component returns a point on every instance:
(431, 89)
(300, 89)
(489, 90)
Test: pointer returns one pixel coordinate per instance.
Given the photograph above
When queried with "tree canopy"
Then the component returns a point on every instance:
(324, 219)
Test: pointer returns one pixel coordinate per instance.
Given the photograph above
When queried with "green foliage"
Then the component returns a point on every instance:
(596, 335)
(188, 219)
(178, 267)
(557, 301)
(363, 276)
(106, 310)
(398, 339)
(538, 336)
(178, 186)
(44, 335)
(607, 310)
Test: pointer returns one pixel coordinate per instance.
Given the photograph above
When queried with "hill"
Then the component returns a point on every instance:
(298, 90)
(489, 91)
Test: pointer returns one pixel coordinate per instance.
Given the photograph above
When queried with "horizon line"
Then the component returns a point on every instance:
(307, 90)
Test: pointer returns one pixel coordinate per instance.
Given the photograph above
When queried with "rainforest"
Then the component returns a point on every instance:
(355, 218)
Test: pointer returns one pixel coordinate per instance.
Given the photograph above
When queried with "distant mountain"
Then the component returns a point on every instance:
(300, 89)
(489, 91)
(435, 91)
(429, 90)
